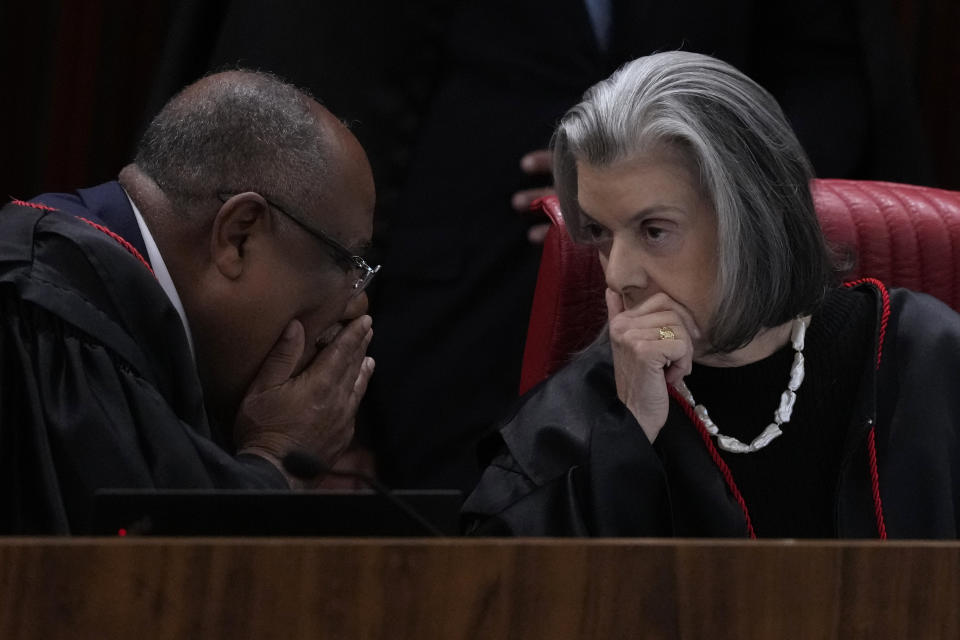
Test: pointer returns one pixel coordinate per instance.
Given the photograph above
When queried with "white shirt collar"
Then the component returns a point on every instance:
(163, 276)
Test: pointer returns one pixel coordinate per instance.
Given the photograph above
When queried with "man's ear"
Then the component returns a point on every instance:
(241, 218)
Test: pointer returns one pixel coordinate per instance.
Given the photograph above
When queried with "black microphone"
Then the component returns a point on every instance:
(306, 466)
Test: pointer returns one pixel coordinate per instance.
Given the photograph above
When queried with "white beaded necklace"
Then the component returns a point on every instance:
(780, 417)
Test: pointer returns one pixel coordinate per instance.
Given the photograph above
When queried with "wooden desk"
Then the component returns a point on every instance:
(455, 588)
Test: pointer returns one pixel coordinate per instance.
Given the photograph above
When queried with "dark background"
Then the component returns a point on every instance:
(445, 95)
(81, 77)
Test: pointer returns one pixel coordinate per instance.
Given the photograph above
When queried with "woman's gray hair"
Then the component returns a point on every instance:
(773, 262)
(236, 131)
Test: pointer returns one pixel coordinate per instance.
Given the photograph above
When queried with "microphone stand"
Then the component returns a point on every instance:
(305, 466)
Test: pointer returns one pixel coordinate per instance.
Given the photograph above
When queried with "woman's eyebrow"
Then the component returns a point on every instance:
(639, 215)
(654, 208)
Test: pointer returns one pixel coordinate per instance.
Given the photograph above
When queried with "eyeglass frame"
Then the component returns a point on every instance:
(357, 262)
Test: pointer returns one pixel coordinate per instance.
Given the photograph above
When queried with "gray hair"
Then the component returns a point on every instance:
(237, 131)
(773, 262)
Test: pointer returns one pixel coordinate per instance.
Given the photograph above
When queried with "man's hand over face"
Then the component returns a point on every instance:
(313, 411)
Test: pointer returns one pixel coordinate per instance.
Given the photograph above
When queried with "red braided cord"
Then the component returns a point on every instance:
(34, 205)
(871, 435)
(875, 484)
(884, 313)
(715, 456)
(99, 227)
(123, 243)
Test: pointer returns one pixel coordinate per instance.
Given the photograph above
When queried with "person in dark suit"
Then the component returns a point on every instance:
(194, 322)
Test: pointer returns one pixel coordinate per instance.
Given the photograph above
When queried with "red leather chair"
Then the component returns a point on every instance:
(903, 235)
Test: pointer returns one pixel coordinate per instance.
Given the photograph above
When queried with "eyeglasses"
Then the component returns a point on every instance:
(343, 256)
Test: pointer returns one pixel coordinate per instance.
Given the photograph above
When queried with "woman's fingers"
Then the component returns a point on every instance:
(614, 303)
(672, 355)
(662, 302)
(653, 346)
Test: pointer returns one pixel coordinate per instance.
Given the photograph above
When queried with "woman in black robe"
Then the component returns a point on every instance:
(738, 390)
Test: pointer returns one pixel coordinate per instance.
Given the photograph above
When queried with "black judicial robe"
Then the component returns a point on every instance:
(574, 461)
(98, 387)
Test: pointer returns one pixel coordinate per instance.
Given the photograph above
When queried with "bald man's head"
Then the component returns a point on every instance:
(238, 131)
(258, 199)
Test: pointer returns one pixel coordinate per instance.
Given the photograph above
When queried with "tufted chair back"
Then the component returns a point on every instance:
(903, 235)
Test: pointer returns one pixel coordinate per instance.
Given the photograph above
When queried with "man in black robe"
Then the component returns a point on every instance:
(193, 323)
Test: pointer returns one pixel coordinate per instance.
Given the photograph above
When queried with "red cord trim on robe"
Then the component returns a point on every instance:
(884, 313)
(123, 243)
(871, 435)
(715, 456)
(99, 227)
(875, 484)
(33, 205)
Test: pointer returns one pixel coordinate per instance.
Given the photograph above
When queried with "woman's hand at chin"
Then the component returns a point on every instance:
(653, 346)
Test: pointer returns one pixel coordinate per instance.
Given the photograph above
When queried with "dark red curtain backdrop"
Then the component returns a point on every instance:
(78, 79)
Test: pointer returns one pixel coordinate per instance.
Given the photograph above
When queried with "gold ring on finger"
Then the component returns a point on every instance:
(666, 333)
